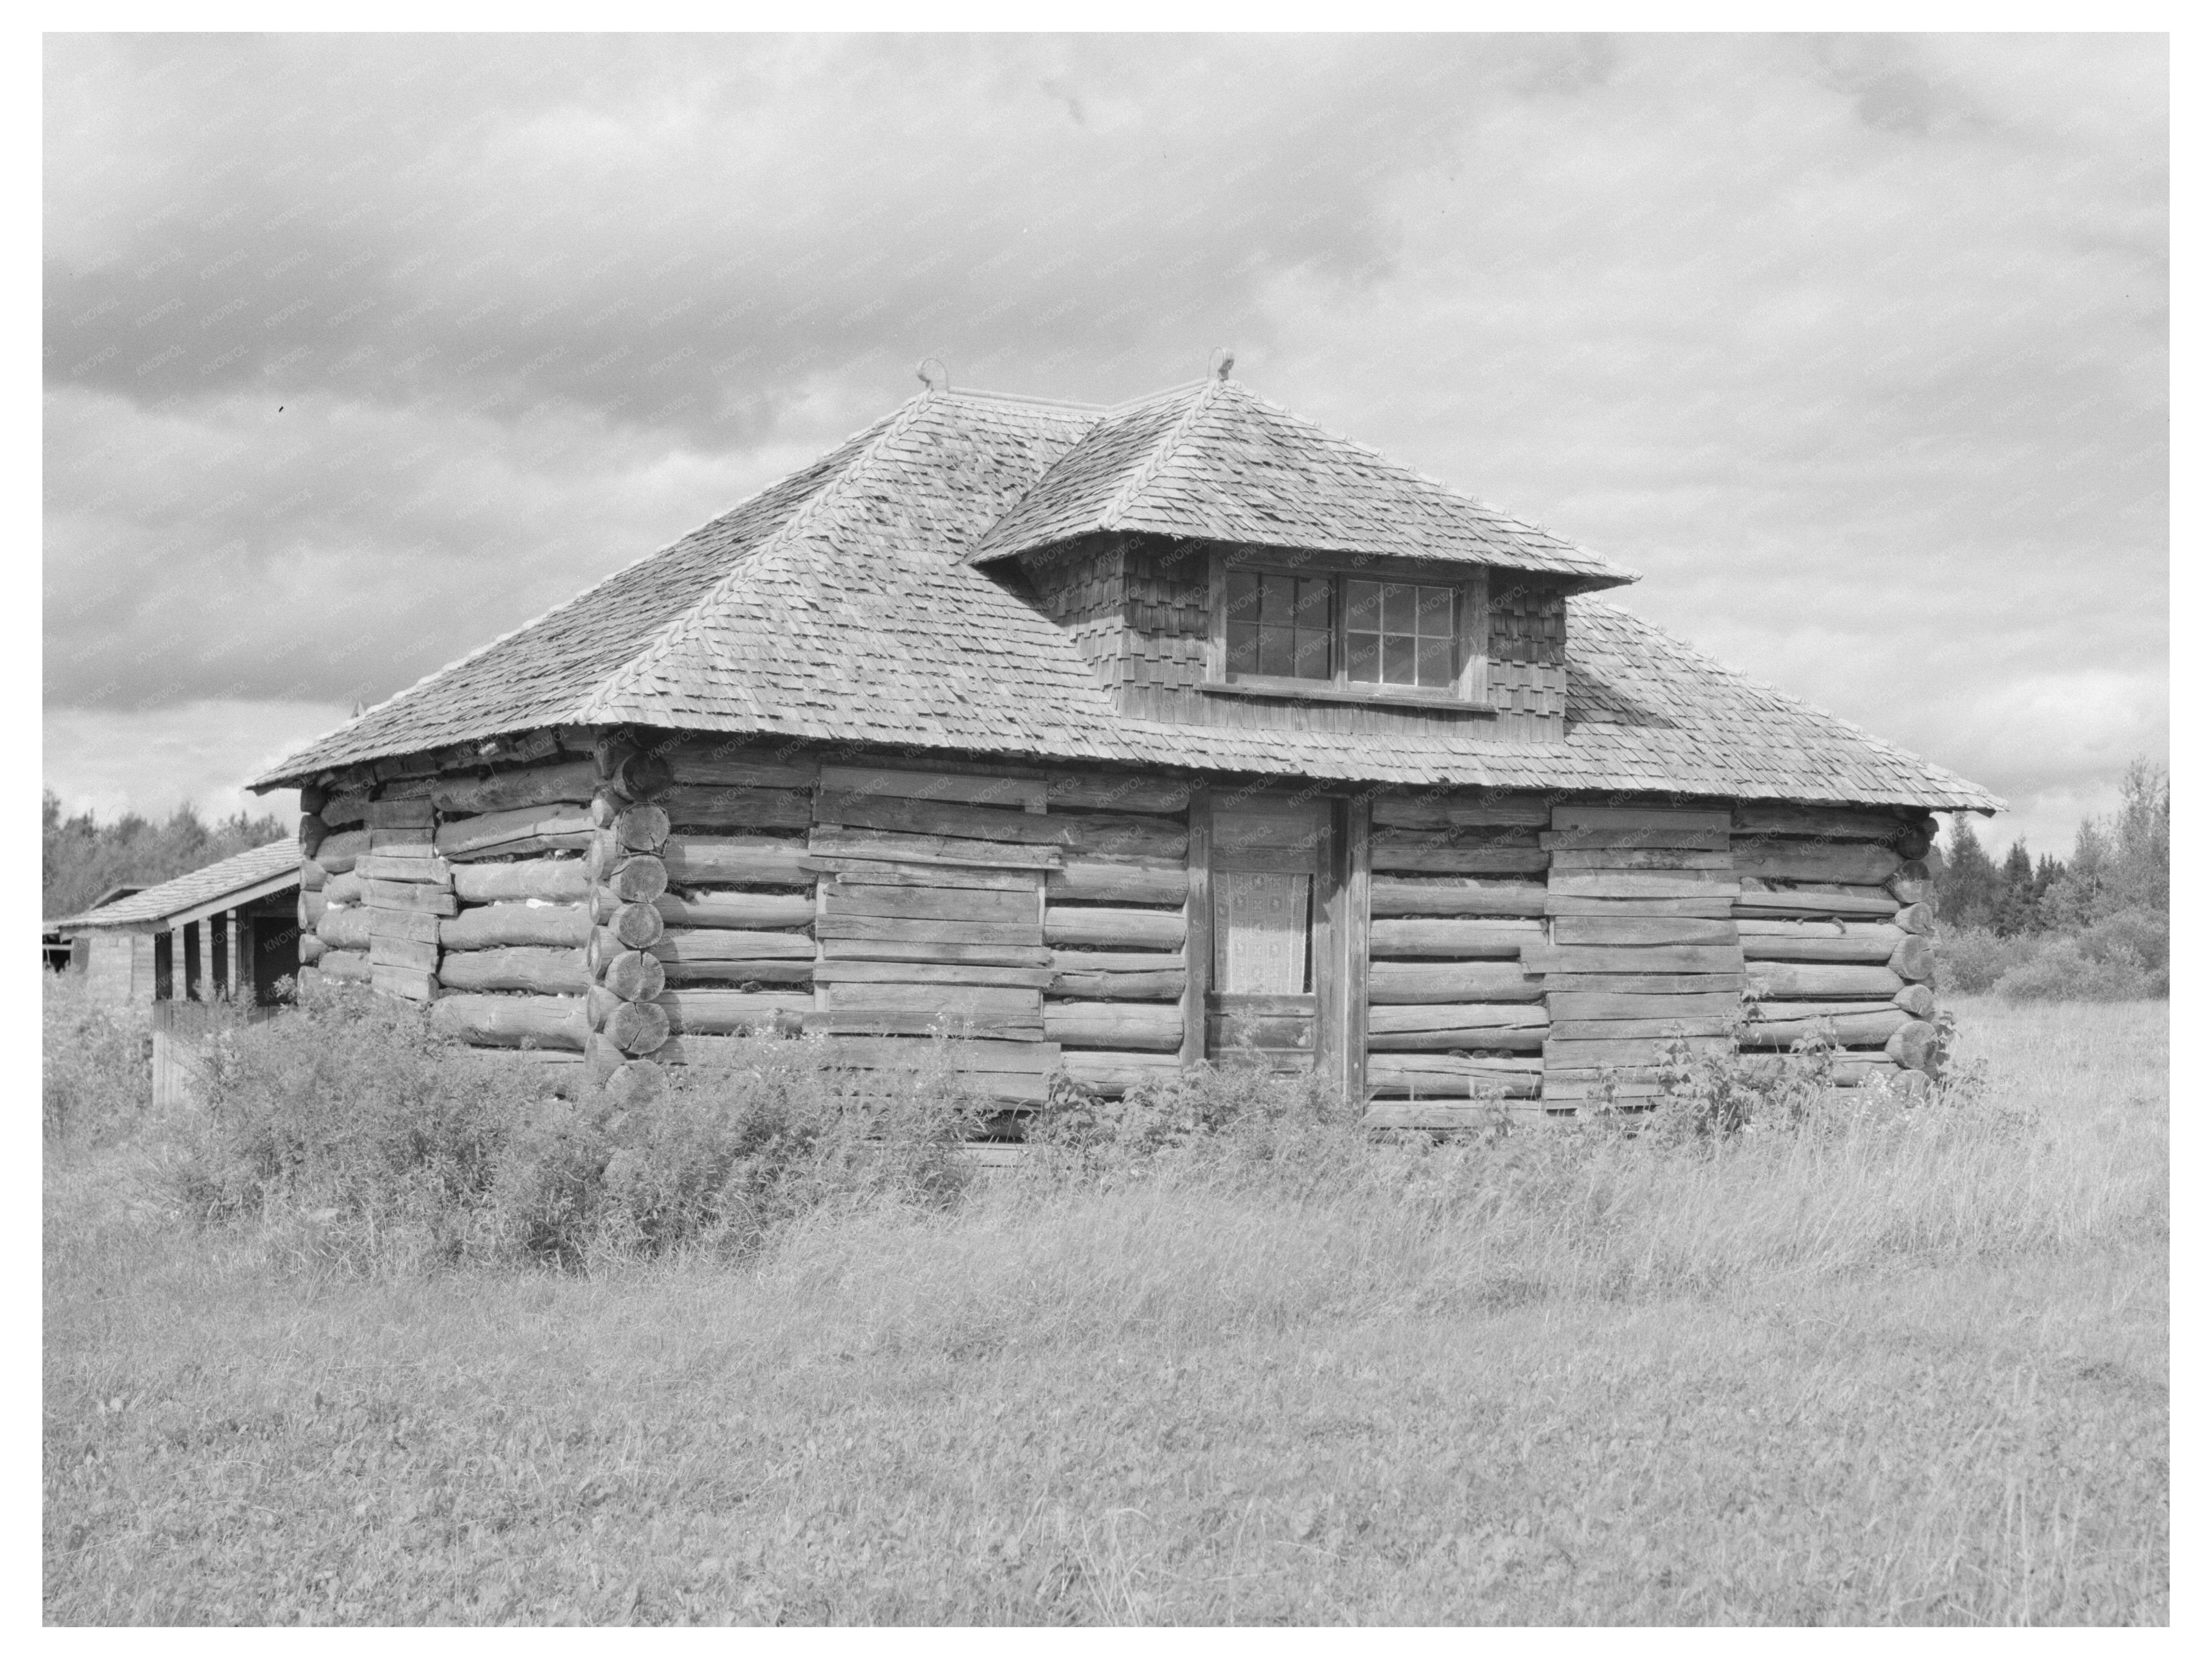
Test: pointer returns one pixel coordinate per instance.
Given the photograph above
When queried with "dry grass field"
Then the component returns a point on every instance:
(1910, 1372)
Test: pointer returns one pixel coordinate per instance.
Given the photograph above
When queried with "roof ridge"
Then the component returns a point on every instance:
(1453, 490)
(984, 395)
(680, 626)
(1141, 478)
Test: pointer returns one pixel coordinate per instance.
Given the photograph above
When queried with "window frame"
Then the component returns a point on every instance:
(1468, 690)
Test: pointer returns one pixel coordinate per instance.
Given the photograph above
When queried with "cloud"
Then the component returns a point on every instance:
(1856, 346)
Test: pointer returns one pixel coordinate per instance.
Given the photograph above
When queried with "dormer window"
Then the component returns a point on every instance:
(1281, 625)
(1398, 634)
(1340, 635)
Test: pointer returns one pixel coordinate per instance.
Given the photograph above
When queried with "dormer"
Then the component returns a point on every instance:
(1218, 560)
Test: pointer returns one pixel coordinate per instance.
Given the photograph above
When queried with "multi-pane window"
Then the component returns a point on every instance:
(1281, 624)
(1397, 633)
(1350, 630)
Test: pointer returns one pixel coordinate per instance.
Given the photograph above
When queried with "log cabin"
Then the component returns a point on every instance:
(1118, 739)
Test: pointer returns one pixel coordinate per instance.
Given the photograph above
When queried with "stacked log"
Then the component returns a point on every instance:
(511, 972)
(1641, 950)
(1835, 923)
(407, 887)
(703, 909)
(1456, 894)
(1117, 922)
(930, 924)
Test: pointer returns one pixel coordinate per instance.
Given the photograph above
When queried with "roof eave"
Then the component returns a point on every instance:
(1570, 581)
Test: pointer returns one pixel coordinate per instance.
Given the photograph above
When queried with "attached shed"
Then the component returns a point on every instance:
(1123, 738)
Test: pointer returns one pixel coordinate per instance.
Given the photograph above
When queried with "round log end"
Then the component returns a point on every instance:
(1914, 957)
(604, 853)
(637, 1028)
(1912, 843)
(1912, 1045)
(642, 775)
(638, 926)
(637, 1083)
(634, 976)
(642, 828)
(1916, 918)
(313, 832)
(638, 879)
(599, 1004)
(310, 950)
(1917, 1001)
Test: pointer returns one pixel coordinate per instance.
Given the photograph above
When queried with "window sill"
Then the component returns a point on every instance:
(1430, 702)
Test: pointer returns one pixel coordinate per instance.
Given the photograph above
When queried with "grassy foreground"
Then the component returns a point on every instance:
(1911, 1374)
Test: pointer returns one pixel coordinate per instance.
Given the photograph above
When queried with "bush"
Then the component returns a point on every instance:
(96, 1063)
(371, 1142)
(349, 1114)
(2143, 937)
(2063, 970)
(1239, 1115)
(1970, 961)
(733, 1155)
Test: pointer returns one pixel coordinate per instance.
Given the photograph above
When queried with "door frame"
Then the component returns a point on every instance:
(1339, 942)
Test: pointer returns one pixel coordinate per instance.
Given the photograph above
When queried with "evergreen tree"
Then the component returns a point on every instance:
(1966, 890)
(2014, 910)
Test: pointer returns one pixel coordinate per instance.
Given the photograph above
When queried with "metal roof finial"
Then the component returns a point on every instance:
(933, 373)
(1221, 363)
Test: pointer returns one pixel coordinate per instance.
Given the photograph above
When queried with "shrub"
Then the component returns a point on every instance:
(731, 1155)
(372, 1143)
(1240, 1115)
(2062, 971)
(95, 1080)
(1970, 961)
(2143, 935)
(349, 1113)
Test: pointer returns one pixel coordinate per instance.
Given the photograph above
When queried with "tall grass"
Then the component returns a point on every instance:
(1905, 1364)
(95, 1060)
(351, 1137)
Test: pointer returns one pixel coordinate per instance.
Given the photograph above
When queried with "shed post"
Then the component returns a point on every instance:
(1358, 873)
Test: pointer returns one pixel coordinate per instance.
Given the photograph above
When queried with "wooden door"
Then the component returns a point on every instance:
(1271, 868)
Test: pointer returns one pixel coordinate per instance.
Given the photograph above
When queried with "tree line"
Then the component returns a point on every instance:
(2090, 926)
(2120, 863)
(83, 858)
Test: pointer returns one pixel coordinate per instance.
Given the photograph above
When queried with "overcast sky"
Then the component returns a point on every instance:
(361, 350)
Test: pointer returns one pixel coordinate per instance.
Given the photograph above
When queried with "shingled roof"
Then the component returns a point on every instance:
(233, 880)
(1216, 461)
(851, 602)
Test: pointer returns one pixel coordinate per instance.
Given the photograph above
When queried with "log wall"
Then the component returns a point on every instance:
(1833, 914)
(602, 903)
(1642, 949)
(1455, 893)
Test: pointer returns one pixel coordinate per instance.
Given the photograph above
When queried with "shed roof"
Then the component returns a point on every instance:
(850, 602)
(218, 886)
